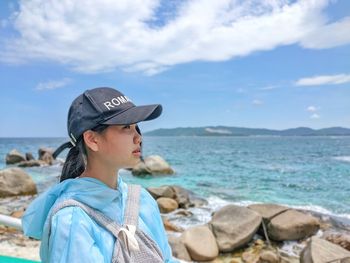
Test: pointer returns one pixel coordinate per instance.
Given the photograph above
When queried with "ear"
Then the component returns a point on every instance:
(90, 139)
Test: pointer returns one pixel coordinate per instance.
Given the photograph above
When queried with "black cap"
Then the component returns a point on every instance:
(104, 106)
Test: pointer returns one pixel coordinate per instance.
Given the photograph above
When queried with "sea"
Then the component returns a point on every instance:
(310, 173)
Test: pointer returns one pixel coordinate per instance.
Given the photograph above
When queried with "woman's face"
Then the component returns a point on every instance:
(119, 146)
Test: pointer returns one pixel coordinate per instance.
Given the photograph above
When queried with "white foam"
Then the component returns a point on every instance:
(342, 158)
(320, 209)
(292, 248)
(215, 203)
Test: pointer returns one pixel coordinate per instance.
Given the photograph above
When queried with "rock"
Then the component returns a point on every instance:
(200, 243)
(183, 212)
(47, 158)
(340, 239)
(163, 191)
(182, 196)
(268, 257)
(169, 226)
(44, 150)
(31, 163)
(319, 250)
(18, 213)
(29, 157)
(178, 248)
(234, 226)
(45, 154)
(14, 157)
(167, 205)
(250, 257)
(292, 225)
(268, 211)
(153, 164)
(197, 201)
(14, 181)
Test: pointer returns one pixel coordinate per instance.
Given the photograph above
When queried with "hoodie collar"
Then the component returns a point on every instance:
(87, 190)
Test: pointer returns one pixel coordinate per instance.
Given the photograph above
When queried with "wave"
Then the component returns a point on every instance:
(345, 158)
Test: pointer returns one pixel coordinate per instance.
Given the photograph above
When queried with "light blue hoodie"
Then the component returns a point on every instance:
(75, 237)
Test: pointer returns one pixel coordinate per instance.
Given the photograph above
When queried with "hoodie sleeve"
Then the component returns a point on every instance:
(71, 238)
(151, 216)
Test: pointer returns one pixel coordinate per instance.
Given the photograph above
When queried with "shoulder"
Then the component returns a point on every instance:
(71, 215)
(147, 200)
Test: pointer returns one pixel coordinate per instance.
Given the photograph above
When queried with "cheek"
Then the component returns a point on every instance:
(118, 145)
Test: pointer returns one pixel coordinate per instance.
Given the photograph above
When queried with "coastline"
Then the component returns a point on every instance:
(14, 243)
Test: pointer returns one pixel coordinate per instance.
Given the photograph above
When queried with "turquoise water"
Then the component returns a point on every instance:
(308, 172)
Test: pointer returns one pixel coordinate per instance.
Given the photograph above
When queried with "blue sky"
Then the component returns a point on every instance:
(273, 64)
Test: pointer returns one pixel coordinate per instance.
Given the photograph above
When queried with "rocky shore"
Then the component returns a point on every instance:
(251, 234)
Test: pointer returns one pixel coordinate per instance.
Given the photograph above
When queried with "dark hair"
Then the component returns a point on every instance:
(75, 163)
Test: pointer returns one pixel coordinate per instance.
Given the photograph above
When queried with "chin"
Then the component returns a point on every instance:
(133, 164)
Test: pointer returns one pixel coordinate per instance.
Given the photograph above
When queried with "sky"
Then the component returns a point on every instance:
(257, 64)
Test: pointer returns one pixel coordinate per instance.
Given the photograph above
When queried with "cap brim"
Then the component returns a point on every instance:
(136, 114)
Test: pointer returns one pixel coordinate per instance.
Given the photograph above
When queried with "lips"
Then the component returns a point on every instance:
(137, 150)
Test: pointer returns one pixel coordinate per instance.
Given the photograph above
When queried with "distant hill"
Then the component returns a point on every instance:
(238, 131)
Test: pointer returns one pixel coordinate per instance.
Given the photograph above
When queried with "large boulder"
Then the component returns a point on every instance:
(167, 205)
(178, 248)
(268, 211)
(340, 239)
(319, 250)
(234, 226)
(44, 150)
(182, 196)
(200, 243)
(163, 191)
(14, 181)
(292, 225)
(29, 156)
(153, 164)
(31, 163)
(45, 154)
(14, 157)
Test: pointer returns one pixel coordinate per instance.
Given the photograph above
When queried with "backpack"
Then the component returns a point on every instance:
(132, 244)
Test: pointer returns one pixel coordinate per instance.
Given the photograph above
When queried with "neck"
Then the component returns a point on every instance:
(108, 175)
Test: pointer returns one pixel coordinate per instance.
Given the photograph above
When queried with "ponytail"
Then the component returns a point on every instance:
(75, 162)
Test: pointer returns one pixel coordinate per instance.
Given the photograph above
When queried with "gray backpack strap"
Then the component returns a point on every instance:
(99, 217)
(131, 213)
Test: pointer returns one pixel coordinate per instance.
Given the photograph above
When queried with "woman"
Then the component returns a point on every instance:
(92, 215)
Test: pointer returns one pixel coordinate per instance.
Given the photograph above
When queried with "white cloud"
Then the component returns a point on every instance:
(103, 35)
(53, 84)
(329, 36)
(312, 109)
(315, 116)
(257, 102)
(324, 80)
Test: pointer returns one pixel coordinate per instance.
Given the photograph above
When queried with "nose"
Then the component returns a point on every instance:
(138, 136)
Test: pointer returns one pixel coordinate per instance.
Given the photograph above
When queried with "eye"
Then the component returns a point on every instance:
(127, 127)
